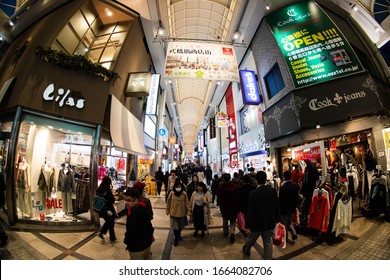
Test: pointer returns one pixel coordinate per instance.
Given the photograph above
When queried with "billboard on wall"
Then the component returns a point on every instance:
(249, 88)
(314, 48)
(194, 60)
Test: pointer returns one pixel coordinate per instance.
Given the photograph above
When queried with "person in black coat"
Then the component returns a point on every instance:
(288, 202)
(159, 177)
(139, 229)
(246, 188)
(262, 216)
(109, 214)
(310, 177)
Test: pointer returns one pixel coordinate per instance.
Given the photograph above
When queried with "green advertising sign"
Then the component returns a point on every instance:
(313, 47)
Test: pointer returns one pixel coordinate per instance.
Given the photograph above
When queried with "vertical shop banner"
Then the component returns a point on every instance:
(212, 128)
(314, 48)
(151, 104)
(233, 149)
(194, 60)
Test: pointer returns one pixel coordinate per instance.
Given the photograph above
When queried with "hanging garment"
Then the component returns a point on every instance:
(319, 213)
(102, 171)
(343, 217)
(323, 192)
(82, 196)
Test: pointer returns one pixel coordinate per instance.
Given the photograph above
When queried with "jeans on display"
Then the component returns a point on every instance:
(267, 242)
(226, 226)
(286, 220)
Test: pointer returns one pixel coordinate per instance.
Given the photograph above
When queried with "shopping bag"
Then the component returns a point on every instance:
(279, 236)
(240, 221)
(295, 219)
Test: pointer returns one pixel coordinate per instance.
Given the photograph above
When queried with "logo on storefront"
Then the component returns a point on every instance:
(338, 99)
(249, 88)
(64, 97)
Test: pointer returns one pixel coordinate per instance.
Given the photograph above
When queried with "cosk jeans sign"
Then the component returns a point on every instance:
(336, 101)
(63, 97)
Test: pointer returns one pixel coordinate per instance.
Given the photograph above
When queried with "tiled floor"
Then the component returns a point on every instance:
(367, 239)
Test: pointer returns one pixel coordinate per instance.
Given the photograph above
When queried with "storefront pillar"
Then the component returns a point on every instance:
(94, 171)
(10, 186)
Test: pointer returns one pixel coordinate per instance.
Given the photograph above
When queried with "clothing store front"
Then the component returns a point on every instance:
(355, 106)
(50, 131)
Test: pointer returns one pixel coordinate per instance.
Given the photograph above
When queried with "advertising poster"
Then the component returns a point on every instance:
(194, 60)
(314, 48)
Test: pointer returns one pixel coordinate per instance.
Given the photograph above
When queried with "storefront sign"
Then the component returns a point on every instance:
(212, 128)
(138, 85)
(232, 131)
(171, 140)
(63, 97)
(314, 48)
(249, 88)
(53, 203)
(151, 105)
(186, 60)
(222, 119)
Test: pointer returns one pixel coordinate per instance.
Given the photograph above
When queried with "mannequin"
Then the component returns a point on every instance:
(66, 185)
(23, 186)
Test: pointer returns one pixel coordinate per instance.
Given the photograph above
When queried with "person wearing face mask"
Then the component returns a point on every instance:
(200, 201)
(178, 207)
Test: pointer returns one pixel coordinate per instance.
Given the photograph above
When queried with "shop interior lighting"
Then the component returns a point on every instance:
(11, 23)
(160, 30)
(318, 126)
(289, 148)
(108, 12)
(267, 6)
(354, 8)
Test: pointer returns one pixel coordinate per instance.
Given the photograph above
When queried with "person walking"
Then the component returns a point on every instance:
(262, 216)
(310, 177)
(171, 181)
(109, 214)
(214, 187)
(192, 187)
(288, 202)
(159, 177)
(178, 207)
(209, 175)
(200, 201)
(229, 198)
(139, 188)
(139, 230)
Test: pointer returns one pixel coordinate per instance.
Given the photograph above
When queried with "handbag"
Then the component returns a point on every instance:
(240, 221)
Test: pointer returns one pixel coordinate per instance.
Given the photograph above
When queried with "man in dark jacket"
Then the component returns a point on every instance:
(229, 198)
(288, 202)
(262, 216)
(208, 174)
(139, 229)
(159, 177)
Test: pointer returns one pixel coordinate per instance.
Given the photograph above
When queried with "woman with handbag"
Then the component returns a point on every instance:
(200, 201)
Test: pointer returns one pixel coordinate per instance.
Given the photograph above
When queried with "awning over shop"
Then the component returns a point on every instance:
(126, 130)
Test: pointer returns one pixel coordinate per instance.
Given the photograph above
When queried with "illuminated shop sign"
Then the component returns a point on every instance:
(63, 97)
(249, 88)
(314, 48)
(138, 84)
(151, 105)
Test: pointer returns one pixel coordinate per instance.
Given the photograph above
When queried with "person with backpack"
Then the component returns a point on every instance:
(108, 212)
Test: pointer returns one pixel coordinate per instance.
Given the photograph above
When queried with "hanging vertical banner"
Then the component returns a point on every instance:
(194, 60)
(212, 128)
(233, 149)
(151, 104)
(314, 48)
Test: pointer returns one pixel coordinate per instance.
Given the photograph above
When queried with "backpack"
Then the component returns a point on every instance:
(99, 203)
